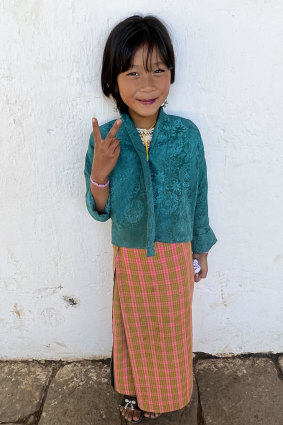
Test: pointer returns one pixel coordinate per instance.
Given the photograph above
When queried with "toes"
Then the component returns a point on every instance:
(124, 412)
(129, 414)
(150, 414)
(130, 418)
(137, 415)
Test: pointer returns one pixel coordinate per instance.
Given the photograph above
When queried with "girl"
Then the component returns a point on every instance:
(147, 172)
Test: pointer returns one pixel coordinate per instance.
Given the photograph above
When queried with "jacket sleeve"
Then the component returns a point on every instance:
(105, 215)
(203, 236)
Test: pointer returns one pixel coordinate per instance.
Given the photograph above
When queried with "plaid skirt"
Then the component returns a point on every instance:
(152, 355)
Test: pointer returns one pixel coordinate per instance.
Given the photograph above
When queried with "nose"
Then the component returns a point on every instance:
(146, 82)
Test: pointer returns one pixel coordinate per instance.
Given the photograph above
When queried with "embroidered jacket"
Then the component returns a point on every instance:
(163, 199)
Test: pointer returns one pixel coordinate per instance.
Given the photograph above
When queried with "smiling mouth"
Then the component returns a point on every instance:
(147, 101)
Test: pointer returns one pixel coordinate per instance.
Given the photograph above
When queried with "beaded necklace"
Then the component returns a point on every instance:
(143, 133)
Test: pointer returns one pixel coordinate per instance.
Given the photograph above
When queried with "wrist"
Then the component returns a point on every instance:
(200, 254)
(100, 179)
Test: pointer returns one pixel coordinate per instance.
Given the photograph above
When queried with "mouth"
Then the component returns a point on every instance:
(146, 101)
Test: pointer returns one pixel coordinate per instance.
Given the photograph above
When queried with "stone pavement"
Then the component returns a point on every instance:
(240, 390)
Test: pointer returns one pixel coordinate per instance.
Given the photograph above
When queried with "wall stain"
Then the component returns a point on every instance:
(71, 301)
(61, 344)
(17, 310)
(223, 281)
(52, 317)
(47, 291)
(223, 297)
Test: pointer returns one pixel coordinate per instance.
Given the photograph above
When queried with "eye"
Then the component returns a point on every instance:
(132, 74)
(159, 71)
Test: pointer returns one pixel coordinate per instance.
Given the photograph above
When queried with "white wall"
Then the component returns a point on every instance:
(55, 260)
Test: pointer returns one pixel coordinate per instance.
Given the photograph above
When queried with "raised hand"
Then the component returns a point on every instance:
(106, 152)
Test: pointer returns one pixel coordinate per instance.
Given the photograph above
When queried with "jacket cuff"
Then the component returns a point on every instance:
(105, 215)
(203, 242)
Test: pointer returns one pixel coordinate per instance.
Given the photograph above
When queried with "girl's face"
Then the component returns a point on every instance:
(142, 91)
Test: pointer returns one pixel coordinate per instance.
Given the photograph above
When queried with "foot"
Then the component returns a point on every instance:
(129, 414)
(130, 410)
(151, 414)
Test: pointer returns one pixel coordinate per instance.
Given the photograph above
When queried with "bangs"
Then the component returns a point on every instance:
(124, 60)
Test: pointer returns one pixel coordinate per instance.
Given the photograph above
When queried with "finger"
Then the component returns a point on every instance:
(112, 146)
(96, 131)
(113, 131)
(197, 277)
(115, 146)
(113, 143)
(117, 150)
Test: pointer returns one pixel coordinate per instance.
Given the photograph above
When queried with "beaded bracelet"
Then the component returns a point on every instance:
(99, 185)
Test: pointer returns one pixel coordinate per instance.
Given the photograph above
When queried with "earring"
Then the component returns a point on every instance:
(165, 103)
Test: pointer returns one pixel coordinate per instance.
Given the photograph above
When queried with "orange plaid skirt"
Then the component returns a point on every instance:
(152, 355)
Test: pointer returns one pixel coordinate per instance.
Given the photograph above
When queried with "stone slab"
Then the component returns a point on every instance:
(238, 391)
(22, 386)
(81, 393)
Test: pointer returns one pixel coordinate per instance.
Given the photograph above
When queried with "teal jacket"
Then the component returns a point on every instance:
(163, 199)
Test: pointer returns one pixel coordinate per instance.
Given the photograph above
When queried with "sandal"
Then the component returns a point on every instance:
(132, 403)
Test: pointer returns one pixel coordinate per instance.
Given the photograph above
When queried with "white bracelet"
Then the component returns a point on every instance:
(99, 185)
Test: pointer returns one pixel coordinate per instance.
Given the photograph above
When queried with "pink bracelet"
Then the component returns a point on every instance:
(99, 185)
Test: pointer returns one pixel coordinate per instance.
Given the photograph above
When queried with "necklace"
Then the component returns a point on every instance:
(143, 135)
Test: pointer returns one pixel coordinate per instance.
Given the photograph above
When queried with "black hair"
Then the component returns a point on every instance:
(123, 42)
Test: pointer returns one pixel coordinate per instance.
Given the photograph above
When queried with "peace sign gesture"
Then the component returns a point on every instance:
(106, 152)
